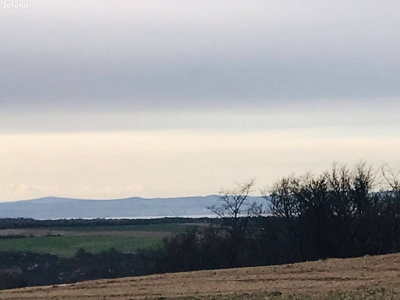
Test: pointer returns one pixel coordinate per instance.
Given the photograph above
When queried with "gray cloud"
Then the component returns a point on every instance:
(175, 55)
(132, 89)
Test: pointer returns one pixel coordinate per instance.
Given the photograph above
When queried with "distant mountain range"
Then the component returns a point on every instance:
(135, 207)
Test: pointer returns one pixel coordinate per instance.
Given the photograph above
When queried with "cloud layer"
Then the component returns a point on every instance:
(179, 55)
(105, 99)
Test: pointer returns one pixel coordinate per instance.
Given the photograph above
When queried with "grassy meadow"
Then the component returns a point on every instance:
(160, 227)
(64, 241)
(66, 246)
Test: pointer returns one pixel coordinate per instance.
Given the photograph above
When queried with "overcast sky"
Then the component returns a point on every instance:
(105, 99)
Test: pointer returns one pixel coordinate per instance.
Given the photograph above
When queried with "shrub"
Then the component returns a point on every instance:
(11, 278)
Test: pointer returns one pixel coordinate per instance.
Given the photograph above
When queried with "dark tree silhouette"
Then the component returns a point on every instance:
(235, 210)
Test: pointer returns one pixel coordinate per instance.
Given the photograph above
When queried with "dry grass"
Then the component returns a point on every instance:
(368, 277)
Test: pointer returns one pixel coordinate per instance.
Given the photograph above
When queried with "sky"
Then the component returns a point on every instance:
(104, 99)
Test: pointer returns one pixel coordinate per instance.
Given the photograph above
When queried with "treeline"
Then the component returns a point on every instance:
(344, 212)
(341, 213)
(19, 223)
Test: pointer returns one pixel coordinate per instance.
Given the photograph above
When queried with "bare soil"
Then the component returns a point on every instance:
(369, 277)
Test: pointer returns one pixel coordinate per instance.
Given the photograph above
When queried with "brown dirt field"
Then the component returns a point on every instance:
(45, 232)
(369, 277)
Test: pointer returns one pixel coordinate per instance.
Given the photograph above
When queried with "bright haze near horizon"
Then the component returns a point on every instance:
(106, 99)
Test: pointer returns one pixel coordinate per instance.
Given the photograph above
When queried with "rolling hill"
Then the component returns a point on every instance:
(135, 207)
(369, 277)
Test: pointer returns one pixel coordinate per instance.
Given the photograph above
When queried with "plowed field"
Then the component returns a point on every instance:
(368, 277)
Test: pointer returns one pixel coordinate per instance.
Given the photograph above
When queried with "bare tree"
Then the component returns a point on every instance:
(392, 179)
(284, 203)
(364, 180)
(235, 210)
(281, 197)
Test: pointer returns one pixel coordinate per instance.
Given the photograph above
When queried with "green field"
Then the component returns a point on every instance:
(169, 227)
(66, 246)
(66, 240)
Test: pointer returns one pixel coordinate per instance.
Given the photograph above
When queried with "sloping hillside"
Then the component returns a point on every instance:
(65, 208)
(135, 207)
(364, 278)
